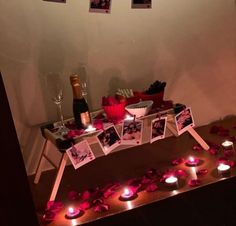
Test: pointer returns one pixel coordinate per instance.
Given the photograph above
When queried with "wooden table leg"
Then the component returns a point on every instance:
(41, 161)
(58, 176)
(196, 136)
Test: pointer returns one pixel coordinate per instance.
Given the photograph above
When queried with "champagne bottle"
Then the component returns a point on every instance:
(80, 106)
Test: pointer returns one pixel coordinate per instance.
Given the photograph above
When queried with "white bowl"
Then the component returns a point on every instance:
(139, 109)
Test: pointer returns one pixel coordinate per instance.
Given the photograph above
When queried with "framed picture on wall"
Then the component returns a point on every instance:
(132, 132)
(80, 154)
(158, 129)
(100, 6)
(184, 120)
(141, 4)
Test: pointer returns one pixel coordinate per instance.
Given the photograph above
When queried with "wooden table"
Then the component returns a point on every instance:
(159, 159)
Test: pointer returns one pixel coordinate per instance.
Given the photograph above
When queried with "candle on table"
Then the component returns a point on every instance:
(171, 181)
(127, 194)
(90, 128)
(223, 169)
(129, 117)
(228, 145)
(72, 213)
(192, 161)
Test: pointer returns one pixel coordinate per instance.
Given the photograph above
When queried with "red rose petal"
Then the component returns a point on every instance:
(101, 208)
(151, 187)
(84, 205)
(194, 182)
(202, 172)
(177, 161)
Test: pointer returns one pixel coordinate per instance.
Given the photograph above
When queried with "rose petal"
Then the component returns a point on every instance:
(151, 187)
(145, 180)
(228, 153)
(54, 206)
(98, 124)
(180, 173)
(84, 205)
(97, 201)
(73, 195)
(194, 182)
(212, 151)
(197, 147)
(202, 172)
(177, 161)
(101, 208)
(86, 195)
(233, 139)
(108, 193)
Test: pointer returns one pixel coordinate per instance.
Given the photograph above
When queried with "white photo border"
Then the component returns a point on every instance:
(162, 136)
(141, 5)
(108, 149)
(189, 125)
(86, 160)
(99, 10)
(133, 141)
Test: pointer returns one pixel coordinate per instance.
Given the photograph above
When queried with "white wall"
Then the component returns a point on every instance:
(189, 44)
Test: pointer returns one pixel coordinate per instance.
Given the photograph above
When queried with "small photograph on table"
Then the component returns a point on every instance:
(80, 154)
(184, 120)
(100, 6)
(109, 139)
(141, 4)
(132, 132)
(158, 129)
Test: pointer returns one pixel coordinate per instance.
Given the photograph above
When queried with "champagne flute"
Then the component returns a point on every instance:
(55, 88)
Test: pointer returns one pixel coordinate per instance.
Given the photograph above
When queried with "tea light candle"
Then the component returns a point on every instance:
(72, 213)
(129, 117)
(127, 194)
(228, 145)
(90, 128)
(171, 181)
(192, 161)
(223, 169)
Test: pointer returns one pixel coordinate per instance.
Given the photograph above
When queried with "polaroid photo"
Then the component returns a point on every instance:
(80, 154)
(109, 139)
(141, 4)
(184, 120)
(100, 6)
(158, 129)
(132, 132)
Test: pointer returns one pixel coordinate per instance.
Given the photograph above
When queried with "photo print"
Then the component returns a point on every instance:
(80, 154)
(141, 4)
(184, 120)
(109, 139)
(158, 129)
(100, 6)
(132, 132)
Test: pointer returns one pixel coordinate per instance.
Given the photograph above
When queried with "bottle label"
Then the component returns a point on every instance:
(85, 118)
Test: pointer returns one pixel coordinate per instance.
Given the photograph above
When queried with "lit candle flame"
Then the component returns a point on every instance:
(71, 210)
(126, 192)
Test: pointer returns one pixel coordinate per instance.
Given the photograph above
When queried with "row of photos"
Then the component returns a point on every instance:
(131, 134)
(104, 6)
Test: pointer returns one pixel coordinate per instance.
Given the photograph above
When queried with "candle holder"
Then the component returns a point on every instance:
(223, 170)
(192, 161)
(228, 148)
(128, 195)
(172, 182)
(72, 213)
